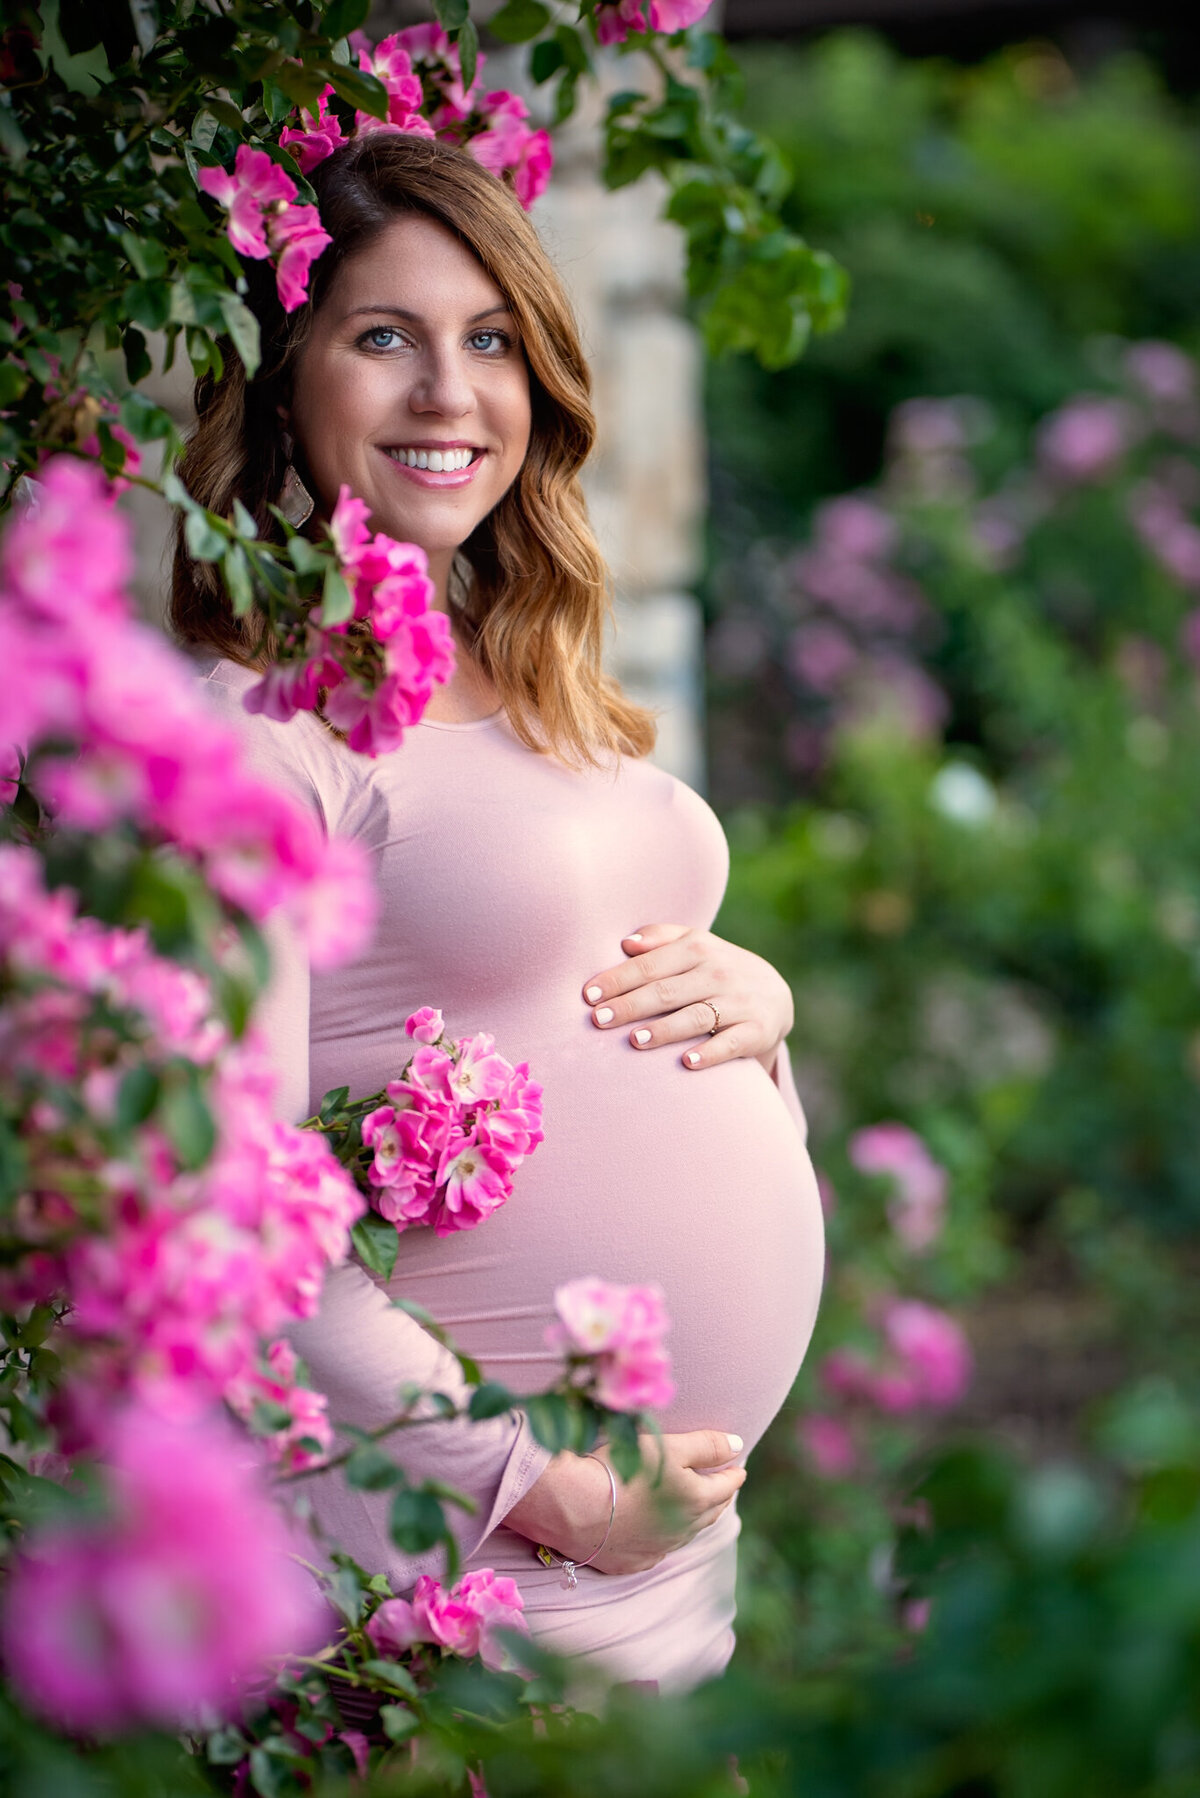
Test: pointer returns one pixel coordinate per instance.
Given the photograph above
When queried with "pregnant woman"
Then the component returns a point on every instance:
(540, 880)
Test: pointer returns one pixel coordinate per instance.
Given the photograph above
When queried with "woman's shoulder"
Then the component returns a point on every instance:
(301, 754)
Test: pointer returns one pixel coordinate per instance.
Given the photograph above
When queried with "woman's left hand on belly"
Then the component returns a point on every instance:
(678, 982)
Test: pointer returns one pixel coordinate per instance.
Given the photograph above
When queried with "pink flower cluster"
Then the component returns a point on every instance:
(458, 1123)
(917, 1206)
(463, 1621)
(277, 1384)
(850, 653)
(1085, 440)
(421, 70)
(172, 1276)
(923, 1362)
(145, 745)
(392, 592)
(618, 1331)
(265, 223)
(615, 19)
(166, 1608)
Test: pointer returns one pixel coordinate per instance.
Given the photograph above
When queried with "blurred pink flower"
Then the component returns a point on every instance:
(829, 1444)
(1162, 371)
(1189, 637)
(854, 527)
(394, 1628)
(621, 1329)
(1085, 439)
(305, 1440)
(917, 1207)
(170, 1607)
(821, 655)
(615, 19)
(931, 1347)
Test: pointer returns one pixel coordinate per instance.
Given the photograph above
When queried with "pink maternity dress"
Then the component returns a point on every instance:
(506, 879)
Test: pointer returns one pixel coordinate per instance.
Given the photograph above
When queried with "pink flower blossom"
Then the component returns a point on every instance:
(475, 1181)
(930, 1346)
(856, 528)
(507, 146)
(614, 22)
(264, 222)
(1085, 439)
(317, 136)
(437, 60)
(1162, 371)
(391, 64)
(305, 1440)
(821, 655)
(917, 1207)
(393, 1628)
(620, 1328)
(255, 190)
(297, 238)
(170, 1606)
(425, 1025)
(829, 1444)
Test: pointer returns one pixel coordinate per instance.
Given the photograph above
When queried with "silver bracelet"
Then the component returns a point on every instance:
(549, 1559)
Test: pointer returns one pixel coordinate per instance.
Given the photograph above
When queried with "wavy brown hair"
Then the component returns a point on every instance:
(533, 600)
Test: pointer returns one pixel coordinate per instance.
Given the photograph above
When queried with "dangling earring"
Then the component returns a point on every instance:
(295, 501)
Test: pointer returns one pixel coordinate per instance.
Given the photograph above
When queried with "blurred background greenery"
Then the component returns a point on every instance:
(953, 594)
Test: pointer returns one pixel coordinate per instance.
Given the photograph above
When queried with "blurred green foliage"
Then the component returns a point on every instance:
(990, 219)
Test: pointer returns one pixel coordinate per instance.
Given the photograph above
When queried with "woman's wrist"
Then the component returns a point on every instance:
(568, 1508)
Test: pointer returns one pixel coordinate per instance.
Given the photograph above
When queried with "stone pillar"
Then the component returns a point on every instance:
(624, 269)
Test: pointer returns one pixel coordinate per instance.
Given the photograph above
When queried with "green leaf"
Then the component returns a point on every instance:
(399, 1723)
(490, 1400)
(137, 357)
(392, 1674)
(147, 255)
(226, 1747)
(451, 13)
(204, 130)
(333, 1102)
(205, 543)
(243, 523)
(519, 20)
(187, 1119)
(337, 601)
(370, 1470)
(149, 424)
(148, 303)
(360, 90)
(574, 48)
(623, 1448)
(236, 565)
(549, 1417)
(344, 16)
(305, 557)
(13, 382)
(564, 98)
(242, 326)
(468, 51)
(225, 113)
(375, 1243)
(546, 60)
(137, 1096)
(416, 1522)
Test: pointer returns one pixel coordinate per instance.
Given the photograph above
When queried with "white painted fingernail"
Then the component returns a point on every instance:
(604, 1015)
(635, 936)
(641, 1036)
(693, 1058)
(592, 993)
(735, 1443)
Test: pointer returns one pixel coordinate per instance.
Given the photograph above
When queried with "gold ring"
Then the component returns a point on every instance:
(716, 1023)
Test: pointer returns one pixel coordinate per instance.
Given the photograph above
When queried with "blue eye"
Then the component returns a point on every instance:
(371, 338)
(486, 339)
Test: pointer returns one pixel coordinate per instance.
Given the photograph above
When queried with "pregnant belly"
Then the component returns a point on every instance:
(697, 1182)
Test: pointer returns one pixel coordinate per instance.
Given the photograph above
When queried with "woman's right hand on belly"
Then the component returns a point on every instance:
(661, 1509)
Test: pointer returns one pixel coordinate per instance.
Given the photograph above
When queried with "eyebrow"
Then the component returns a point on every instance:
(414, 318)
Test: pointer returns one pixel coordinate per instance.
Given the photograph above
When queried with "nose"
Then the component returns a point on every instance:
(442, 385)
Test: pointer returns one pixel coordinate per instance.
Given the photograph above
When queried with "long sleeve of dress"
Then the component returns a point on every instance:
(360, 1349)
(785, 1080)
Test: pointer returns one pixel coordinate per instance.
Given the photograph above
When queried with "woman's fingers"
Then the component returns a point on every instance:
(657, 965)
(703, 1448)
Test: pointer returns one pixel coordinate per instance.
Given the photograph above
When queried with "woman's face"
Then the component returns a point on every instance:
(413, 389)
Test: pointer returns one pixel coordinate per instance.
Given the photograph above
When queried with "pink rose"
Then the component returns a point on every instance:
(829, 1444)
(425, 1025)
(917, 1207)
(394, 1628)
(932, 1349)
(622, 1328)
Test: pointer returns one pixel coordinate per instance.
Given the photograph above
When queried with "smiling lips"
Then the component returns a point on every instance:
(437, 465)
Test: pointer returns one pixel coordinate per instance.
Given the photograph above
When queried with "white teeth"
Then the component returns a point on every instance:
(436, 461)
